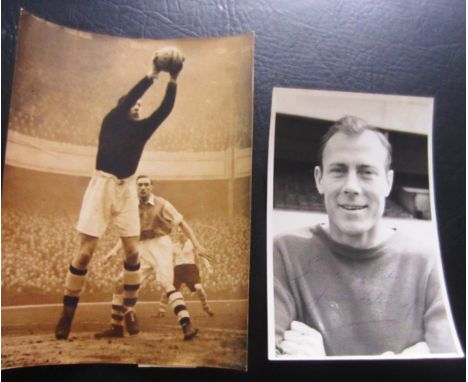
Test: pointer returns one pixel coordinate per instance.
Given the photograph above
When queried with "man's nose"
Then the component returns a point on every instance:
(352, 185)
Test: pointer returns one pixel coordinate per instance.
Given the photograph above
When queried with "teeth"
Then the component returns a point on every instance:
(353, 208)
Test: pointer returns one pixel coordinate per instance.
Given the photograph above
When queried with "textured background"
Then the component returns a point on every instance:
(412, 47)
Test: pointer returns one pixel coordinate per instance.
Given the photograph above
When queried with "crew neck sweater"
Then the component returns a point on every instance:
(362, 301)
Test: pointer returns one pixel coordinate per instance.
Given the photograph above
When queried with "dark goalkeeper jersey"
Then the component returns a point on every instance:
(121, 140)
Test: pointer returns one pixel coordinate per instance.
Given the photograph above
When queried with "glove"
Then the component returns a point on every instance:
(303, 341)
(168, 59)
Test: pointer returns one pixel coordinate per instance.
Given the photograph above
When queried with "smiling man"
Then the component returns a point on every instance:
(354, 286)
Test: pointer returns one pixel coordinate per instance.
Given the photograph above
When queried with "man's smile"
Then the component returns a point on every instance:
(353, 207)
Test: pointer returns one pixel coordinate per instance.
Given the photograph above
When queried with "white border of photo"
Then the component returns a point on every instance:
(390, 112)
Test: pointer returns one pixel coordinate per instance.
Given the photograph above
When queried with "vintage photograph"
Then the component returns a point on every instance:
(126, 200)
(354, 266)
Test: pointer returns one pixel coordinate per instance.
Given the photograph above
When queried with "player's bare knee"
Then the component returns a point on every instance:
(85, 253)
(131, 258)
(82, 260)
(130, 246)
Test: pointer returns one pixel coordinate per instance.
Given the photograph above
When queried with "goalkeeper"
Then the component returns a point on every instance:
(110, 196)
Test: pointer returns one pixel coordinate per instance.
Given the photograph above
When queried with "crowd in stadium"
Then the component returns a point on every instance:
(36, 124)
(37, 249)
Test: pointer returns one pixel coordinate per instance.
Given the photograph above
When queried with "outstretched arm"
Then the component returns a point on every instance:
(130, 99)
(199, 259)
(188, 232)
(163, 111)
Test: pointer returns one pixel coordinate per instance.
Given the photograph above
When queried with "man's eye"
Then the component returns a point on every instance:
(368, 172)
(336, 170)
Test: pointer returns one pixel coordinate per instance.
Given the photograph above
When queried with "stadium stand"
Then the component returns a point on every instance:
(36, 250)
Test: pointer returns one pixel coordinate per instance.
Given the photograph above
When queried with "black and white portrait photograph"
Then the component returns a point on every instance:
(354, 266)
(236, 191)
(126, 200)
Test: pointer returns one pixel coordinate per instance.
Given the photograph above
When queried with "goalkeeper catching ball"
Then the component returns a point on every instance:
(111, 197)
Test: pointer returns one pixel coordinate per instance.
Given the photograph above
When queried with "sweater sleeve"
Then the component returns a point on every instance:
(130, 99)
(284, 306)
(436, 327)
(162, 112)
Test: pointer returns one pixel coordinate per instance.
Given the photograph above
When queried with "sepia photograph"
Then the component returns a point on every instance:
(126, 200)
(353, 261)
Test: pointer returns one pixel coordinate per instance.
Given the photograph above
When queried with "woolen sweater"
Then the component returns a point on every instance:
(122, 140)
(362, 301)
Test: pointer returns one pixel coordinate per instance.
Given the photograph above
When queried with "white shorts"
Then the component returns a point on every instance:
(109, 200)
(156, 256)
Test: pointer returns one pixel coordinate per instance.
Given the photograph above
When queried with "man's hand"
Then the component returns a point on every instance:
(169, 59)
(177, 64)
(205, 258)
(154, 73)
(419, 348)
(200, 250)
(302, 340)
(204, 255)
(208, 265)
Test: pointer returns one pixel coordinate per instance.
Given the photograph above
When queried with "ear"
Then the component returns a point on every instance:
(318, 179)
(389, 178)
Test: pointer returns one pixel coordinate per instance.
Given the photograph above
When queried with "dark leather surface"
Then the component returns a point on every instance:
(393, 47)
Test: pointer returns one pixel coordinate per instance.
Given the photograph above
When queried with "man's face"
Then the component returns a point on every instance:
(355, 182)
(144, 188)
(135, 111)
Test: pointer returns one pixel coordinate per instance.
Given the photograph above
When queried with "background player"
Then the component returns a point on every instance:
(186, 272)
(158, 218)
(110, 196)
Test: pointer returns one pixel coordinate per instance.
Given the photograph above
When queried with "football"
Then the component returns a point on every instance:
(168, 59)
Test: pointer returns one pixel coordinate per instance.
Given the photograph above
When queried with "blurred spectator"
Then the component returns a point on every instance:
(36, 247)
(39, 123)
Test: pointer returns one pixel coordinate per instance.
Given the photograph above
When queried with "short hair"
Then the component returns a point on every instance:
(353, 126)
(144, 176)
